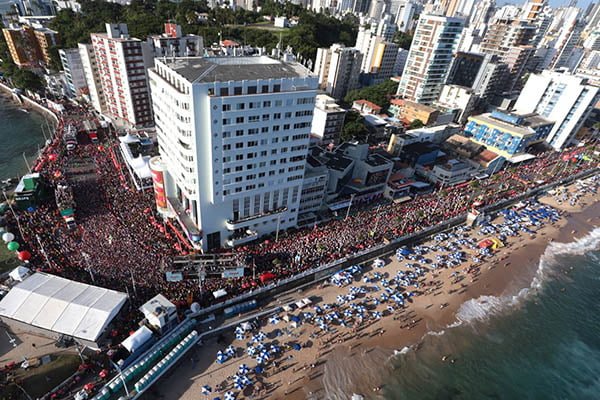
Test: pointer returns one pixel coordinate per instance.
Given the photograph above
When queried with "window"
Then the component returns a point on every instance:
(252, 143)
(264, 129)
(275, 128)
(224, 91)
(239, 157)
(253, 118)
(239, 120)
(226, 121)
(266, 104)
(276, 88)
(265, 89)
(239, 168)
(265, 117)
(288, 115)
(237, 90)
(239, 132)
(226, 170)
(240, 106)
(226, 107)
(251, 89)
(226, 147)
(277, 116)
(286, 127)
(226, 135)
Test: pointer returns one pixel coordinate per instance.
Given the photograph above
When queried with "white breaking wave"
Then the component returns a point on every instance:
(481, 308)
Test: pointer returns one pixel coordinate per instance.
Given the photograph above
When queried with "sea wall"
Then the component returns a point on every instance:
(21, 98)
(323, 272)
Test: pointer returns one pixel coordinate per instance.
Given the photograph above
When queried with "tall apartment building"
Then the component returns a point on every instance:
(22, 44)
(565, 99)
(74, 72)
(464, 68)
(382, 56)
(405, 14)
(46, 38)
(328, 120)
(30, 47)
(173, 43)
(338, 69)
(506, 33)
(532, 10)
(568, 37)
(122, 63)
(92, 77)
(233, 134)
(435, 40)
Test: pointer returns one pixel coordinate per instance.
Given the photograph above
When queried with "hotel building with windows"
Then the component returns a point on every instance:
(233, 135)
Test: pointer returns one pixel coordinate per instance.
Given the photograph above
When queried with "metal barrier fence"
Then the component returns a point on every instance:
(324, 271)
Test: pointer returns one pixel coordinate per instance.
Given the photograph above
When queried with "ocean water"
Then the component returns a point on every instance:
(540, 343)
(20, 133)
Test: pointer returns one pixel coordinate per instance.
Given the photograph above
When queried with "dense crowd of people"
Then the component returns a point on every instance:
(119, 242)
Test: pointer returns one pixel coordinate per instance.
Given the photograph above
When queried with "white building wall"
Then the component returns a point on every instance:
(271, 143)
(92, 77)
(562, 98)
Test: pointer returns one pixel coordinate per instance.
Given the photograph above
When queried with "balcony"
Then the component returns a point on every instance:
(238, 239)
(254, 219)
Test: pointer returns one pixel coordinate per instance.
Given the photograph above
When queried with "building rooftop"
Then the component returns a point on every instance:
(213, 69)
(376, 160)
(523, 124)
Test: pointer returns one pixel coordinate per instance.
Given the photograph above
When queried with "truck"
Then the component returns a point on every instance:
(65, 203)
(70, 137)
(91, 129)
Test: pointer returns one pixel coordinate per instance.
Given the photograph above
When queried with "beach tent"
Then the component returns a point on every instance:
(20, 273)
(485, 243)
(497, 243)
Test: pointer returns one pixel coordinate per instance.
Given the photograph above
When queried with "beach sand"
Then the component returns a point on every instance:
(352, 360)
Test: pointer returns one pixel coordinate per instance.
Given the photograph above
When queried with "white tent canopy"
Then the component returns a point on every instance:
(20, 273)
(61, 305)
(137, 339)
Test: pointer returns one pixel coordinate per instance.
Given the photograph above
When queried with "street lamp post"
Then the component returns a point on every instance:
(13, 212)
(349, 206)
(120, 376)
(86, 256)
(278, 223)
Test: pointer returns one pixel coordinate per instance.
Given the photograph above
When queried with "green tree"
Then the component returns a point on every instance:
(27, 80)
(416, 124)
(354, 127)
(403, 40)
(380, 94)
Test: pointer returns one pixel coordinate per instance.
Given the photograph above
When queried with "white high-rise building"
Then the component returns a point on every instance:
(569, 36)
(386, 27)
(122, 62)
(233, 135)
(565, 99)
(74, 73)
(429, 58)
(92, 77)
(338, 69)
(405, 14)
